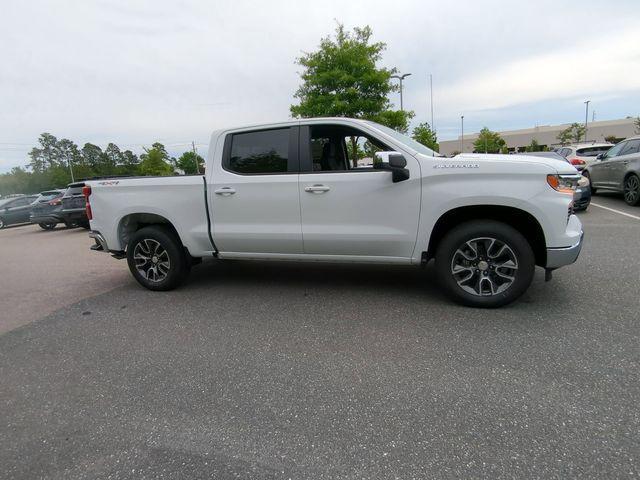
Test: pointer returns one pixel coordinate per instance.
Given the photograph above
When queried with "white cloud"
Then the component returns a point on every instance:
(134, 71)
(603, 67)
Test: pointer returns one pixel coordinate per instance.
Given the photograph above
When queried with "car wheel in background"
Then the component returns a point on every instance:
(47, 226)
(632, 190)
(156, 258)
(2, 224)
(484, 263)
(85, 225)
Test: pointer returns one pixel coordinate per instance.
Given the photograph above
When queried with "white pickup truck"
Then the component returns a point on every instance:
(345, 190)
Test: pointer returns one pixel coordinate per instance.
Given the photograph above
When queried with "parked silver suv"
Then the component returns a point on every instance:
(619, 170)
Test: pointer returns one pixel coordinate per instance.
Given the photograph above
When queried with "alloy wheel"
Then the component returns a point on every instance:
(151, 260)
(484, 266)
(631, 189)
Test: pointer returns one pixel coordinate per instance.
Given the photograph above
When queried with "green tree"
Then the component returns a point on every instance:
(572, 133)
(488, 142)
(190, 163)
(130, 163)
(44, 156)
(426, 136)
(342, 79)
(534, 146)
(636, 124)
(155, 161)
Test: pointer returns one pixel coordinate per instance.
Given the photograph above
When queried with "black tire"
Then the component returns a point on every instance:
(2, 224)
(481, 232)
(143, 241)
(47, 226)
(85, 225)
(631, 190)
(593, 190)
(70, 224)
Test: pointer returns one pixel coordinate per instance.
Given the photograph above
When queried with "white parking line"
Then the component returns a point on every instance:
(614, 210)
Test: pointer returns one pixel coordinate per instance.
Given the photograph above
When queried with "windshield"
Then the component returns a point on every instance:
(592, 151)
(405, 139)
(44, 196)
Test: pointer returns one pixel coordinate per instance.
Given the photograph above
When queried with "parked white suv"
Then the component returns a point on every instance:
(298, 191)
(582, 154)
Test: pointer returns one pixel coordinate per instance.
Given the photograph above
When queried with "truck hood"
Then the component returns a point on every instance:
(519, 161)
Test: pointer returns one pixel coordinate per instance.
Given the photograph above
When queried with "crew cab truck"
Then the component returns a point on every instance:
(346, 190)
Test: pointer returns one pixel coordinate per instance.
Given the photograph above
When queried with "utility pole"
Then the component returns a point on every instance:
(195, 156)
(433, 127)
(462, 134)
(401, 78)
(71, 170)
(586, 118)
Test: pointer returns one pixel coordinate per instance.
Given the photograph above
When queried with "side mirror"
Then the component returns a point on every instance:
(393, 162)
(600, 156)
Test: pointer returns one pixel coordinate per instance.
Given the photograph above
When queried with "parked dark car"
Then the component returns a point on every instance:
(74, 206)
(15, 210)
(618, 170)
(582, 197)
(46, 211)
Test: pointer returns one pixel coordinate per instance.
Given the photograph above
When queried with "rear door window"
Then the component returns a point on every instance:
(260, 152)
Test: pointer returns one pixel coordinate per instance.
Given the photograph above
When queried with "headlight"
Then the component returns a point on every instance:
(563, 183)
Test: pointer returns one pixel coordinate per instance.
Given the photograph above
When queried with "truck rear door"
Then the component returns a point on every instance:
(254, 195)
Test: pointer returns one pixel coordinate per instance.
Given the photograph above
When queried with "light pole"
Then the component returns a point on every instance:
(462, 134)
(401, 78)
(433, 127)
(586, 118)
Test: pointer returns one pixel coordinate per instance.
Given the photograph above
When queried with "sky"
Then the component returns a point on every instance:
(135, 72)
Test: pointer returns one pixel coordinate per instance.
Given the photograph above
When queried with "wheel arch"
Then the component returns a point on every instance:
(132, 222)
(517, 218)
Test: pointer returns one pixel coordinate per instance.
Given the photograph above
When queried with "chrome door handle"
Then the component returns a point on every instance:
(317, 188)
(225, 191)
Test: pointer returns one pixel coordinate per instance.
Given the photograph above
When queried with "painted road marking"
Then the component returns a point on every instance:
(616, 211)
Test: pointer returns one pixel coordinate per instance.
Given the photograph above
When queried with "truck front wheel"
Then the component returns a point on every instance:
(484, 263)
(156, 258)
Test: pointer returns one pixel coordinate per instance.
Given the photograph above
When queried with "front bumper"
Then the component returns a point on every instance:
(582, 198)
(559, 257)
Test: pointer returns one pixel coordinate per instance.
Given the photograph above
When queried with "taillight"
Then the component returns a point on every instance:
(55, 201)
(86, 191)
(577, 161)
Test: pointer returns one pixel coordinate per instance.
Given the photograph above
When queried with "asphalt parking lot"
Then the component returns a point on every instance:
(265, 370)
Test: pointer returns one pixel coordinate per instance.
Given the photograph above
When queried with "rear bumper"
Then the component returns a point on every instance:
(74, 215)
(559, 257)
(101, 243)
(45, 219)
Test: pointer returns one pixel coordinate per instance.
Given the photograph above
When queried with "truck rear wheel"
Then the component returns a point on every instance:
(156, 258)
(484, 263)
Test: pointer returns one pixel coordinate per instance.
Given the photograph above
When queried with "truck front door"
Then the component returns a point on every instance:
(348, 207)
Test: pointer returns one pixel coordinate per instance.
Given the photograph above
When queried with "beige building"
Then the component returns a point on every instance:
(547, 135)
